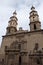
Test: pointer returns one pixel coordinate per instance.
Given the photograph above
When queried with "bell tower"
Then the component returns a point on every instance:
(34, 20)
(12, 24)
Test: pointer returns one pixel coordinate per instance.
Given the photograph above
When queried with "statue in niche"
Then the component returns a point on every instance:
(14, 45)
(36, 55)
(36, 46)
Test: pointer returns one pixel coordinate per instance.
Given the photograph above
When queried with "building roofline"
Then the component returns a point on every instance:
(23, 32)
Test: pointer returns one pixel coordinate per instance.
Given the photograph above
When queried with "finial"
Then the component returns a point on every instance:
(15, 12)
(20, 29)
(32, 7)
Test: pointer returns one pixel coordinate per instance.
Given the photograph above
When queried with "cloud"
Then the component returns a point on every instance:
(23, 18)
(17, 3)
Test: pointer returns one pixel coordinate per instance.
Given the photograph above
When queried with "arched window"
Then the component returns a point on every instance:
(34, 26)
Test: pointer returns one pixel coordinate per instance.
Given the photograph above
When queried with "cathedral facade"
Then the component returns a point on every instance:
(22, 47)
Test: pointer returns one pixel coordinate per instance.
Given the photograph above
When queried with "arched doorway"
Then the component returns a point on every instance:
(19, 60)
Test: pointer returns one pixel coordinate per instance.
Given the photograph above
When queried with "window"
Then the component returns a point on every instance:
(34, 26)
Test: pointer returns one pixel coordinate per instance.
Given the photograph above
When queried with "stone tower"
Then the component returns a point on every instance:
(34, 20)
(11, 29)
(12, 24)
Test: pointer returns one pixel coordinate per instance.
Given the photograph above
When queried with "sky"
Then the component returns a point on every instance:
(7, 7)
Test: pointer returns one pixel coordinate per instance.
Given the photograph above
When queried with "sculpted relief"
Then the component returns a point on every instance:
(19, 43)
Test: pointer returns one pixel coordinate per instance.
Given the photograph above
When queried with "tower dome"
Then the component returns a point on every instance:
(34, 20)
(12, 24)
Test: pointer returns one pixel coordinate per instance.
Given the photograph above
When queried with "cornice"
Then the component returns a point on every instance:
(34, 22)
(27, 32)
